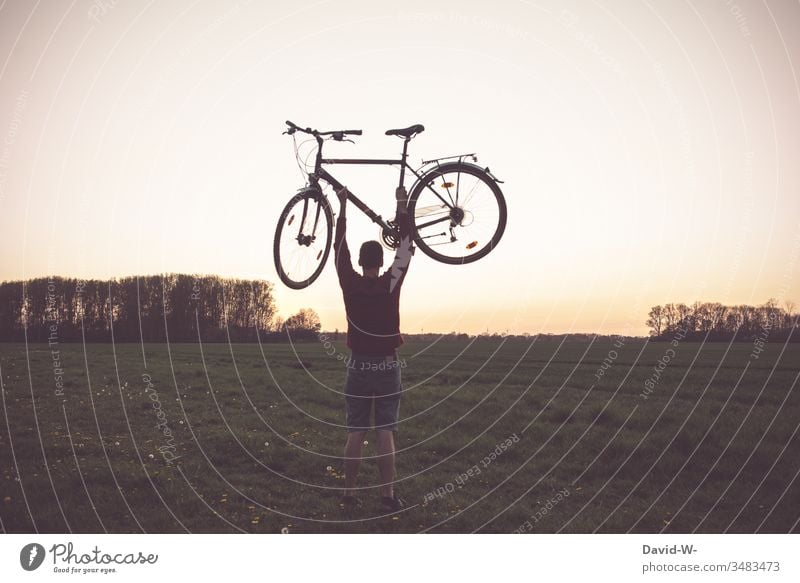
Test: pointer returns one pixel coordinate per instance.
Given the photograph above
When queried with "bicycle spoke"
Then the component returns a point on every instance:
(471, 193)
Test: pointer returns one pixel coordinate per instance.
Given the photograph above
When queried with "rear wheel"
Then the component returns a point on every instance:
(303, 238)
(459, 213)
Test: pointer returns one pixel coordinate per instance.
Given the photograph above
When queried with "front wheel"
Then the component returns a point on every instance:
(459, 213)
(303, 238)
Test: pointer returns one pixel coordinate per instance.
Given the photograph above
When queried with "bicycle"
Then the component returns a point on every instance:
(439, 200)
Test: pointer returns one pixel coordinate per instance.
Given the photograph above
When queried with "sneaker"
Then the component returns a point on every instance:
(394, 504)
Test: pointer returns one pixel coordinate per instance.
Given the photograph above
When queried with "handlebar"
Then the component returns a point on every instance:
(337, 134)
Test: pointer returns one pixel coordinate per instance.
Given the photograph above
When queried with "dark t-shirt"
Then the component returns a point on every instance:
(373, 303)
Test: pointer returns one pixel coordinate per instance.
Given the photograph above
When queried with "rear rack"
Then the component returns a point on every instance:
(472, 155)
(461, 157)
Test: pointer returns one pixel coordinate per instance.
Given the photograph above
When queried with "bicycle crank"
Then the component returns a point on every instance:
(390, 239)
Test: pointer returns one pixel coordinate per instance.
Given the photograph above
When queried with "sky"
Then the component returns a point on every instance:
(648, 149)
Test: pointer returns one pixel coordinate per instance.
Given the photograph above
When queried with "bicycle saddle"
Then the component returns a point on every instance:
(407, 132)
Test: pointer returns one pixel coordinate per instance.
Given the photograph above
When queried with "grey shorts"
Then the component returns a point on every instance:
(372, 382)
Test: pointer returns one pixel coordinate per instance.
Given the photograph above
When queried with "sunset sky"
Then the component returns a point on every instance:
(649, 150)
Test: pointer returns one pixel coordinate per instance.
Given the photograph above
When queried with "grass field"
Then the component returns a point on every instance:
(497, 436)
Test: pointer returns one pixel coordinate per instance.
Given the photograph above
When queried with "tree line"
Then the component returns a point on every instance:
(715, 321)
(173, 307)
(188, 308)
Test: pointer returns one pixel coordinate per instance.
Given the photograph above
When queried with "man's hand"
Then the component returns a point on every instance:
(342, 195)
(400, 195)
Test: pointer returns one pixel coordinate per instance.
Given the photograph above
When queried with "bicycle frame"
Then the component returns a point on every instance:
(320, 172)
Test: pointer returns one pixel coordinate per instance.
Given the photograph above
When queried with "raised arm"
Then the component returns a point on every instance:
(405, 250)
(344, 265)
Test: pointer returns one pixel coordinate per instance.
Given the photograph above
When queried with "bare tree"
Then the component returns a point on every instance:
(655, 320)
(305, 320)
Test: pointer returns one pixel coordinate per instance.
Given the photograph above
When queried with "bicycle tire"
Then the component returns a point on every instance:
(316, 201)
(482, 175)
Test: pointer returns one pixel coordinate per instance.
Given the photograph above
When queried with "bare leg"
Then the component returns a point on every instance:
(352, 460)
(386, 462)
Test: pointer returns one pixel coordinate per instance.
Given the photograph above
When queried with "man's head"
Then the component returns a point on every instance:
(371, 255)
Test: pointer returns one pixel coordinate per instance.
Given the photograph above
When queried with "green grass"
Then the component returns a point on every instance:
(258, 427)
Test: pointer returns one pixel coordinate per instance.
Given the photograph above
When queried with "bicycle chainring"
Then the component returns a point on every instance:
(391, 240)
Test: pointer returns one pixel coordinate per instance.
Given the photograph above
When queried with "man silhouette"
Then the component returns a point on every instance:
(372, 303)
